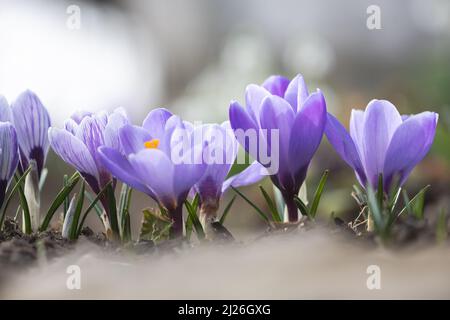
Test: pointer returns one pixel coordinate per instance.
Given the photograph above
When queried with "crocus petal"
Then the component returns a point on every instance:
(356, 130)
(90, 132)
(276, 85)
(5, 110)
(242, 123)
(218, 161)
(73, 151)
(155, 122)
(344, 146)
(307, 131)
(9, 155)
(409, 145)
(120, 167)
(296, 93)
(173, 125)
(157, 172)
(232, 145)
(277, 114)
(252, 174)
(381, 120)
(254, 96)
(79, 115)
(116, 120)
(71, 126)
(132, 138)
(31, 121)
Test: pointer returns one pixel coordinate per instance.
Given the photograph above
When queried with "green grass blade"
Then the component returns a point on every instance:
(188, 226)
(11, 194)
(394, 200)
(301, 206)
(59, 200)
(93, 205)
(407, 202)
(275, 215)
(195, 221)
(112, 207)
(25, 209)
(318, 194)
(189, 223)
(66, 199)
(258, 210)
(227, 209)
(73, 231)
(415, 203)
(124, 206)
(375, 210)
(97, 208)
(195, 203)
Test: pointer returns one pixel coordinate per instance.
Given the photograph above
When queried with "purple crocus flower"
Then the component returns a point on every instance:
(9, 152)
(31, 121)
(381, 141)
(78, 142)
(160, 159)
(219, 155)
(284, 107)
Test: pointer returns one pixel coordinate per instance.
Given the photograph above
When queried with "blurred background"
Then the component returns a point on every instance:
(193, 57)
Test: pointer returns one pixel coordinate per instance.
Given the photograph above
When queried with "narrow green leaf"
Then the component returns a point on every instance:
(66, 199)
(375, 210)
(195, 203)
(124, 206)
(195, 221)
(275, 215)
(25, 209)
(11, 194)
(59, 200)
(93, 205)
(73, 231)
(258, 210)
(97, 208)
(407, 201)
(318, 194)
(415, 203)
(112, 208)
(391, 208)
(394, 200)
(227, 209)
(188, 227)
(301, 206)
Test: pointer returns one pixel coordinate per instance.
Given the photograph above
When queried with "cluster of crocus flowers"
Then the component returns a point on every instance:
(383, 143)
(297, 117)
(281, 127)
(167, 159)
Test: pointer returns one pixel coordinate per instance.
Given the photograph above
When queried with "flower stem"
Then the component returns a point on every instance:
(176, 231)
(292, 209)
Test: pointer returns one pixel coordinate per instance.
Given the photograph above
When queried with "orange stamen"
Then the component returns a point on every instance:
(152, 144)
